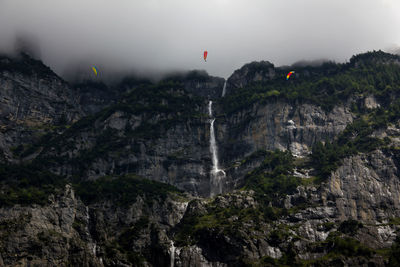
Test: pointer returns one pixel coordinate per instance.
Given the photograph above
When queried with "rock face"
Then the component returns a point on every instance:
(68, 232)
(181, 155)
(279, 125)
(161, 132)
(210, 88)
(52, 240)
(93, 97)
(253, 72)
(199, 83)
(366, 188)
(31, 97)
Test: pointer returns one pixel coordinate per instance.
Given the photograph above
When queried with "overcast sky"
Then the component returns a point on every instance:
(164, 35)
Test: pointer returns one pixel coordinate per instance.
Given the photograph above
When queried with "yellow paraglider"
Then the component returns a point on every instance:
(94, 70)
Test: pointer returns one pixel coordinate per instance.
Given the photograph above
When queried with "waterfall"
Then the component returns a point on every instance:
(172, 254)
(217, 174)
(224, 89)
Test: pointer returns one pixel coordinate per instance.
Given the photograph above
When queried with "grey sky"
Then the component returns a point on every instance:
(163, 35)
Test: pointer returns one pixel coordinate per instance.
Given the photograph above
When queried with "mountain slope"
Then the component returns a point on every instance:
(311, 171)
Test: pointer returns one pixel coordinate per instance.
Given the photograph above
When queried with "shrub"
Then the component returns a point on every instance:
(124, 190)
(273, 177)
(350, 227)
(27, 184)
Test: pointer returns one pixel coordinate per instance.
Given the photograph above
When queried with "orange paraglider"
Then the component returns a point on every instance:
(289, 74)
(205, 56)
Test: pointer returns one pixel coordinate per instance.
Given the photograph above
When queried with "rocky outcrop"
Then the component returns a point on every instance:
(93, 96)
(211, 89)
(279, 125)
(32, 98)
(308, 233)
(201, 84)
(250, 73)
(68, 232)
(366, 188)
(161, 137)
(180, 156)
(45, 235)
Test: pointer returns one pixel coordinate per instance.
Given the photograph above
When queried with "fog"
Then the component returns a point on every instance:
(153, 36)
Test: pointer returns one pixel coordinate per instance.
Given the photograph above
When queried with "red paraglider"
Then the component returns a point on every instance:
(205, 56)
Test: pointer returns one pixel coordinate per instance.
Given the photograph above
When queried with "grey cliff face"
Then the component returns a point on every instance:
(277, 125)
(253, 72)
(209, 88)
(29, 102)
(88, 132)
(181, 155)
(366, 188)
(93, 97)
(68, 232)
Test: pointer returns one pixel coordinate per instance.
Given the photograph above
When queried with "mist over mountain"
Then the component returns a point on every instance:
(170, 35)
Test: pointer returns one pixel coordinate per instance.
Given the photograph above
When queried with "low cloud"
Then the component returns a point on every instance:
(155, 36)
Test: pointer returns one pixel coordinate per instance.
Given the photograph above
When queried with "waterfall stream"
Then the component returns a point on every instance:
(172, 254)
(224, 89)
(217, 174)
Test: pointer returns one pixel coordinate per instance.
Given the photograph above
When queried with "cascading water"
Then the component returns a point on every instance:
(224, 89)
(172, 254)
(217, 174)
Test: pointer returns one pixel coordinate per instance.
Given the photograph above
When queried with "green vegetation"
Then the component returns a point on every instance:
(128, 237)
(253, 156)
(27, 184)
(217, 220)
(31, 184)
(336, 247)
(123, 190)
(356, 138)
(122, 247)
(328, 85)
(346, 246)
(328, 226)
(114, 250)
(50, 236)
(131, 234)
(156, 107)
(166, 97)
(22, 151)
(272, 179)
(394, 221)
(394, 254)
(350, 227)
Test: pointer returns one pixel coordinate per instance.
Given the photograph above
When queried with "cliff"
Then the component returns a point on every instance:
(121, 175)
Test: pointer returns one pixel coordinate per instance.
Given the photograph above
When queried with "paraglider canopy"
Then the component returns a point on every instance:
(289, 74)
(205, 55)
(94, 70)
